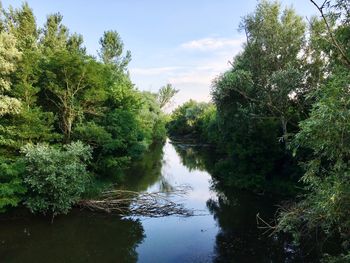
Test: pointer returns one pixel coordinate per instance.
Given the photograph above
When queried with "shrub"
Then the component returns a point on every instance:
(55, 177)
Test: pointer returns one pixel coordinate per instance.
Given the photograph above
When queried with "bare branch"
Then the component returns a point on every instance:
(130, 203)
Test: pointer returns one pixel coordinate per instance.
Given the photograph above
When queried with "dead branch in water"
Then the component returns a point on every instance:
(131, 203)
(262, 224)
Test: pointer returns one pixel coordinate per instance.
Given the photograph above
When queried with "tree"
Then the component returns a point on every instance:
(338, 11)
(324, 137)
(275, 37)
(261, 98)
(189, 119)
(74, 84)
(55, 178)
(75, 43)
(274, 41)
(270, 65)
(283, 85)
(31, 124)
(112, 48)
(9, 55)
(21, 23)
(325, 208)
(150, 118)
(54, 34)
(166, 94)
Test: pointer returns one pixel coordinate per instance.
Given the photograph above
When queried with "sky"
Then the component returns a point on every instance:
(185, 42)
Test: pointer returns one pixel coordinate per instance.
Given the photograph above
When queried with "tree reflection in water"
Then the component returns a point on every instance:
(226, 233)
(147, 171)
(239, 239)
(78, 237)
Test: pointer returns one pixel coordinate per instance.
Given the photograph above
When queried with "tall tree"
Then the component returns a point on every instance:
(258, 98)
(271, 58)
(21, 23)
(74, 84)
(75, 43)
(9, 56)
(112, 48)
(54, 34)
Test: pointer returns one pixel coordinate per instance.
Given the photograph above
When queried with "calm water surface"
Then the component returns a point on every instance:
(226, 230)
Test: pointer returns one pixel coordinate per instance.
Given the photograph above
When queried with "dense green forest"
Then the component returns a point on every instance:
(280, 118)
(67, 118)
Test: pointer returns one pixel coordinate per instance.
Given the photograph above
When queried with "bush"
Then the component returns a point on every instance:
(55, 177)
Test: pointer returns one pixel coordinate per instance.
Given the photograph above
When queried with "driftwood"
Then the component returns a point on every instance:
(130, 203)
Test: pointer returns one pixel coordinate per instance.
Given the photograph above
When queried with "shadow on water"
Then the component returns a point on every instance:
(78, 237)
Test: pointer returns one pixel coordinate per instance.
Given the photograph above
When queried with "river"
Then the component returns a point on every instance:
(224, 229)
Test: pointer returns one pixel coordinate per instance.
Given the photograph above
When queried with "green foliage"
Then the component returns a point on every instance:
(342, 258)
(12, 189)
(151, 119)
(208, 125)
(9, 55)
(74, 85)
(286, 81)
(112, 48)
(260, 99)
(125, 133)
(21, 23)
(55, 34)
(326, 139)
(52, 91)
(32, 125)
(166, 94)
(327, 173)
(65, 93)
(275, 38)
(55, 178)
(193, 119)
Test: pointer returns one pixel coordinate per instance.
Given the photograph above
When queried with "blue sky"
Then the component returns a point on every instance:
(186, 43)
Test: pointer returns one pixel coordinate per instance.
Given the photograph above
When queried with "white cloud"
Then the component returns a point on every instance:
(188, 71)
(152, 71)
(195, 83)
(197, 75)
(210, 44)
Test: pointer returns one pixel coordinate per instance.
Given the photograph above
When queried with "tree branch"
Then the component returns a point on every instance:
(333, 39)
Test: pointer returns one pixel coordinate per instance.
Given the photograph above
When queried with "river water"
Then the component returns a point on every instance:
(224, 230)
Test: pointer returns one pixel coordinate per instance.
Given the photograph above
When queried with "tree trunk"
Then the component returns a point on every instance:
(284, 123)
(68, 118)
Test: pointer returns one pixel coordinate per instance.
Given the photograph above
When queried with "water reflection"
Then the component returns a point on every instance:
(146, 171)
(78, 237)
(225, 232)
(238, 238)
(194, 157)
